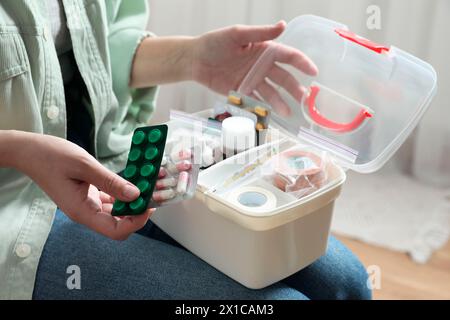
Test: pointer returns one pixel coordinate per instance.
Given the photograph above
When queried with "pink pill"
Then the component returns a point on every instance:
(163, 195)
(167, 182)
(183, 154)
(162, 173)
(183, 179)
(183, 165)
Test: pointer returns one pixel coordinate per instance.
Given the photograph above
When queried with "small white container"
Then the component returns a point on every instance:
(238, 134)
(366, 100)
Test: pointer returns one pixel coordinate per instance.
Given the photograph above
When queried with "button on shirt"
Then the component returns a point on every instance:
(104, 36)
(23, 250)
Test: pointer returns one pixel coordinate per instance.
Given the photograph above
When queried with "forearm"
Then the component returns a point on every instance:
(160, 60)
(12, 144)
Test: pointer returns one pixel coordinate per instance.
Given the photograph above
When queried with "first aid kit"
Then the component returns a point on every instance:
(264, 211)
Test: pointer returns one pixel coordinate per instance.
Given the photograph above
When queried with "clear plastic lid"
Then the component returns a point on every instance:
(365, 100)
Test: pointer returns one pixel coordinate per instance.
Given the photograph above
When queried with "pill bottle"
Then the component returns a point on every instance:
(238, 134)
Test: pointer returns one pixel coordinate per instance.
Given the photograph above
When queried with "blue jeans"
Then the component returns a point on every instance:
(151, 265)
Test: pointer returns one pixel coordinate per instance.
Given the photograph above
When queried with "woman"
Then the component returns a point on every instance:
(76, 77)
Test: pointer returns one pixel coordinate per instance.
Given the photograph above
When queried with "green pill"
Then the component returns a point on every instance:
(134, 155)
(138, 205)
(154, 136)
(143, 163)
(130, 171)
(147, 170)
(151, 153)
(119, 206)
(138, 137)
(143, 186)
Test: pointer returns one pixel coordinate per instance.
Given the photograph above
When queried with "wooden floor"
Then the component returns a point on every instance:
(401, 278)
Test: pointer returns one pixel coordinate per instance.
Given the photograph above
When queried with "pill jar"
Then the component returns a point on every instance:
(238, 134)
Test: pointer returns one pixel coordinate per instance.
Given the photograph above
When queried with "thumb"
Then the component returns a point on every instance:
(110, 183)
(247, 34)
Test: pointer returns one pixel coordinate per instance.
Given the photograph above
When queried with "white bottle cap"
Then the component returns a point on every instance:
(238, 134)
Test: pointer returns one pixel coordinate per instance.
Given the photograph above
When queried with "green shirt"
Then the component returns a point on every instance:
(105, 35)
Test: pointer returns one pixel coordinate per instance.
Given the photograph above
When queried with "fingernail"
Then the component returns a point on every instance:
(130, 191)
(303, 89)
(282, 22)
(314, 70)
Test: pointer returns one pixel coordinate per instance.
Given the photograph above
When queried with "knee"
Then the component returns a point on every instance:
(337, 275)
(354, 284)
(349, 277)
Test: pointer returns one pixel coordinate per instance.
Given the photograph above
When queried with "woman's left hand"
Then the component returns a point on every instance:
(222, 58)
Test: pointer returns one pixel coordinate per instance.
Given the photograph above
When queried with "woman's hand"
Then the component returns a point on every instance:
(222, 58)
(81, 187)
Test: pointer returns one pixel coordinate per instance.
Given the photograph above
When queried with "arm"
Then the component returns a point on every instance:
(220, 60)
(72, 178)
(160, 60)
(8, 154)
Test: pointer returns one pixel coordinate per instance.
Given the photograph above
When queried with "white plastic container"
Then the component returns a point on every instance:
(361, 107)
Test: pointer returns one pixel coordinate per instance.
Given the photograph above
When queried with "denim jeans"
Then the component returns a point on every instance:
(151, 265)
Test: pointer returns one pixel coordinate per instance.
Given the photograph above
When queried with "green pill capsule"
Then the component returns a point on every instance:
(119, 206)
(138, 137)
(130, 171)
(143, 186)
(147, 170)
(138, 205)
(151, 153)
(134, 155)
(154, 136)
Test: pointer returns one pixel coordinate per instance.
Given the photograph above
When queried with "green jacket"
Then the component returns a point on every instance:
(105, 35)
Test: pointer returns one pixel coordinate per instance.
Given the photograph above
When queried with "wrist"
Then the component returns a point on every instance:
(187, 62)
(197, 54)
(160, 60)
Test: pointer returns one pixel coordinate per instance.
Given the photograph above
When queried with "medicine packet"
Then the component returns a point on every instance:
(201, 135)
(165, 170)
(180, 165)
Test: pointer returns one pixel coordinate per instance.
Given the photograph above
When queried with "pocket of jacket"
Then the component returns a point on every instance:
(13, 61)
(19, 108)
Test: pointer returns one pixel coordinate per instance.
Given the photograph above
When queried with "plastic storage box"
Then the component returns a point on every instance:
(363, 104)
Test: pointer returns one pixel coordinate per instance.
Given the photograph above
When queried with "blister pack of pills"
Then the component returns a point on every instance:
(143, 164)
(162, 174)
(243, 106)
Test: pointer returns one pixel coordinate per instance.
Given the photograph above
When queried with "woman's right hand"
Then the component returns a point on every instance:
(81, 187)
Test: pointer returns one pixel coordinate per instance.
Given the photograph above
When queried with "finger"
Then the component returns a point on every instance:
(151, 210)
(148, 212)
(254, 96)
(106, 198)
(245, 35)
(107, 207)
(92, 195)
(271, 96)
(116, 229)
(109, 182)
(296, 58)
(284, 79)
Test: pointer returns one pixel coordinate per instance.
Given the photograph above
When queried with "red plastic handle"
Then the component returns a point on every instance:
(361, 41)
(335, 126)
